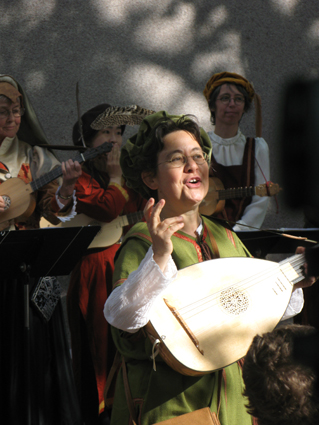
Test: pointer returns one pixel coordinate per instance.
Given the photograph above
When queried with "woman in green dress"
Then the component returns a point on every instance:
(167, 163)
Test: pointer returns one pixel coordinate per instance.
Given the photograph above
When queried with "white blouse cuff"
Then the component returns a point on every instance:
(72, 213)
(128, 306)
(295, 304)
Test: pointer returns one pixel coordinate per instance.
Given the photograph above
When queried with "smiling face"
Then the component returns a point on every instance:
(184, 187)
(10, 125)
(230, 113)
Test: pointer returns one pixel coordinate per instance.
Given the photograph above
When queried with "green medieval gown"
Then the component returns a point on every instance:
(163, 394)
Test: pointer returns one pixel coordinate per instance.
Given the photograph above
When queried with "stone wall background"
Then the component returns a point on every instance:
(159, 55)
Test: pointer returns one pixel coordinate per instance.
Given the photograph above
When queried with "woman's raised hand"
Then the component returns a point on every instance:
(161, 231)
(113, 167)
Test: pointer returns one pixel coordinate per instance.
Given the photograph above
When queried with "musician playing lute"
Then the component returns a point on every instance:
(20, 132)
(167, 162)
(236, 160)
(52, 398)
(102, 195)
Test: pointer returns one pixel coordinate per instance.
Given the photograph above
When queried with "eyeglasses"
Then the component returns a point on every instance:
(225, 99)
(16, 112)
(179, 160)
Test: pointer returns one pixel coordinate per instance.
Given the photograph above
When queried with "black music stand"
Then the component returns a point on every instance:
(271, 241)
(39, 253)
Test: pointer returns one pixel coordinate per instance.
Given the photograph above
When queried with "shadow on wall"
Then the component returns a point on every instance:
(158, 55)
(155, 54)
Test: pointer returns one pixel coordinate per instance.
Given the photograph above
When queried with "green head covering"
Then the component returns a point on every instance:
(140, 151)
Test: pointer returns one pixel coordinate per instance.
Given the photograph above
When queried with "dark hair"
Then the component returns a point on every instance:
(140, 152)
(163, 127)
(280, 391)
(215, 93)
(87, 118)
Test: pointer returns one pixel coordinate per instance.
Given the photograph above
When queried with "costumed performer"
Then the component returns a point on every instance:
(103, 196)
(168, 163)
(52, 390)
(235, 160)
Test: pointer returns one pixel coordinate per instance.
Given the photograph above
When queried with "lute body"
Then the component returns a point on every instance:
(109, 234)
(18, 197)
(209, 314)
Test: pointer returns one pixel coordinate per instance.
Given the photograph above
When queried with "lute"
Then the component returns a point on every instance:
(18, 195)
(108, 235)
(208, 316)
(214, 201)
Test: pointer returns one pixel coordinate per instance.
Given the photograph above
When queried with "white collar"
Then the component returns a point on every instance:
(221, 141)
(6, 145)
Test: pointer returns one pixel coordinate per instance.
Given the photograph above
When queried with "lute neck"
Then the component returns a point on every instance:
(293, 266)
(57, 172)
(131, 218)
(46, 178)
(135, 217)
(238, 192)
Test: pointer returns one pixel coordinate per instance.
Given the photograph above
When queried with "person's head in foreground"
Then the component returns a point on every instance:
(280, 390)
(168, 159)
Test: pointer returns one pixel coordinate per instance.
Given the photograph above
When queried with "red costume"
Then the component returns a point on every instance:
(90, 284)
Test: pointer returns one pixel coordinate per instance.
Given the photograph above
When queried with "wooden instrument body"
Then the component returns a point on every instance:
(22, 204)
(109, 234)
(223, 306)
(212, 204)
